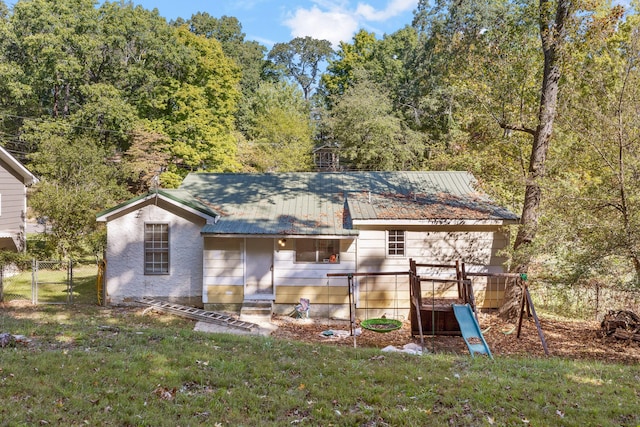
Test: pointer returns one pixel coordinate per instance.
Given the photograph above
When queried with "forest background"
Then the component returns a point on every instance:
(104, 101)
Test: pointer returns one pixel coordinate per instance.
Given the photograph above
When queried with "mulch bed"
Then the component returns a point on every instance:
(582, 340)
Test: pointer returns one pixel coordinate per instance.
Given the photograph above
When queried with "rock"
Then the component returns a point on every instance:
(7, 340)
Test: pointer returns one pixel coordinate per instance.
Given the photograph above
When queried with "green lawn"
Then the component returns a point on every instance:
(89, 365)
(53, 288)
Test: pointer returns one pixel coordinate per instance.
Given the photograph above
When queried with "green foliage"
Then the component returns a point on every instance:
(145, 160)
(104, 97)
(301, 59)
(596, 193)
(340, 72)
(279, 135)
(248, 54)
(7, 258)
(76, 182)
(371, 136)
(202, 107)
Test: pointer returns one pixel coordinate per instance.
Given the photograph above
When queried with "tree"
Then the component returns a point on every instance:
(76, 182)
(467, 22)
(553, 22)
(105, 115)
(146, 160)
(371, 136)
(301, 59)
(340, 72)
(200, 107)
(279, 134)
(54, 47)
(599, 193)
(14, 90)
(248, 54)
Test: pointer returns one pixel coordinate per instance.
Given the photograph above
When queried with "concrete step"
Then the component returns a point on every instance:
(253, 310)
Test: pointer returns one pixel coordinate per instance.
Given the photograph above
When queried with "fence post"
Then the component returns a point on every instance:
(70, 280)
(1, 283)
(34, 288)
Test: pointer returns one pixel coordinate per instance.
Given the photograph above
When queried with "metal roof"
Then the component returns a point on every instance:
(180, 197)
(328, 203)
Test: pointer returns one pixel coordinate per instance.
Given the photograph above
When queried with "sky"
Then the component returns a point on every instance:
(269, 22)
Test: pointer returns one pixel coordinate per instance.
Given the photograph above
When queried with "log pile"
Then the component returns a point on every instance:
(621, 324)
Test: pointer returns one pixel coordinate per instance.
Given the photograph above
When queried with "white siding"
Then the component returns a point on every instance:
(478, 247)
(125, 276)
(13, 196)
(288, 272)
(223, 265)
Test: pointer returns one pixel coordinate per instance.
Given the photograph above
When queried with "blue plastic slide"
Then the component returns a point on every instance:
(471, 330)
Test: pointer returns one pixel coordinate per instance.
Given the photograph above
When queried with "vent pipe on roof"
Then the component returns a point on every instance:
(369, 196)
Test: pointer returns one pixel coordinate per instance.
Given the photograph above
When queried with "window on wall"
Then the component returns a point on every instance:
(396, 243)
(317, 250)
(156, 249)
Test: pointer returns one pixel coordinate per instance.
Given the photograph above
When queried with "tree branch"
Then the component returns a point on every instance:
(518, 128)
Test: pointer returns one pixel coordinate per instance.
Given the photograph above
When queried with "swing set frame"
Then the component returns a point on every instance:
(418, 309)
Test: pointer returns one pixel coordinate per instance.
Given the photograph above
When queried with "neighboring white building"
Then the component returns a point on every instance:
(223, 239)
(14, 180)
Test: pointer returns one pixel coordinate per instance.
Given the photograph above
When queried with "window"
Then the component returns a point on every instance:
(317, 250)
(395, 243)
(156, 249)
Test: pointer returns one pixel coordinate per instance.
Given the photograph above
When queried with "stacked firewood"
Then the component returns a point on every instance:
(621, 324)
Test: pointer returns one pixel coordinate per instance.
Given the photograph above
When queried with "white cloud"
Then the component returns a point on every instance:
(393, 9)
(333, 25)
(336, 21)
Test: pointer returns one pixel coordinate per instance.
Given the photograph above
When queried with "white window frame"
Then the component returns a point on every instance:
(393, 244)
(156, 249)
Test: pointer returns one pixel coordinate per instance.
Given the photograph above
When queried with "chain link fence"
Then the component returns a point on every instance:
(589, 301)
(15, 285)
(46, 282)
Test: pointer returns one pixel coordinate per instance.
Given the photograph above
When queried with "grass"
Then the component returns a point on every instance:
(53, 287)
(88, 365)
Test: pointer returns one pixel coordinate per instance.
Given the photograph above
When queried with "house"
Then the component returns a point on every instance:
(224, 239)
(14, 180)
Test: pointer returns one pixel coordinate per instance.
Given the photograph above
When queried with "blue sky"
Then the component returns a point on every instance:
(269, 22)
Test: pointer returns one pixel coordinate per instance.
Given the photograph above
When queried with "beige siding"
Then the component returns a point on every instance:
(224, 276)
(316, 294)
(477, 247)
(225, 294)
(374, 295)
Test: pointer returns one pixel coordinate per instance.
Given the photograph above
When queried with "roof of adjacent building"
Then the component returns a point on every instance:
(325, 203)
(27, 177)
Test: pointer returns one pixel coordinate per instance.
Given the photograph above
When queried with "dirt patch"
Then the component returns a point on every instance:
(565, 338)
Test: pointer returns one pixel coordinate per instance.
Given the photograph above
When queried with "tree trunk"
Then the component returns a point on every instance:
(552, 35)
